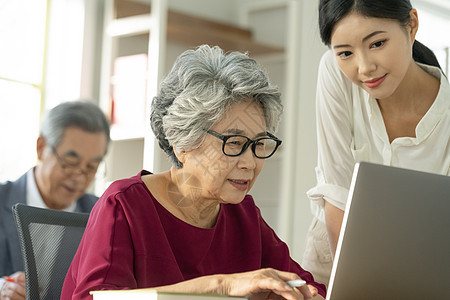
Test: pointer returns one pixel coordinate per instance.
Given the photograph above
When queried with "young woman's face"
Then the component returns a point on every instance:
(374, 53)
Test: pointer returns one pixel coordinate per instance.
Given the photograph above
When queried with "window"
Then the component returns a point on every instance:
(22, 35)
(40, 66)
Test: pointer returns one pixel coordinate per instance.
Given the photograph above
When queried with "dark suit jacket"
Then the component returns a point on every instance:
(10, 194)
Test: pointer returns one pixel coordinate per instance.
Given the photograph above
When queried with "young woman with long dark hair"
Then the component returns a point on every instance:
(381, 97)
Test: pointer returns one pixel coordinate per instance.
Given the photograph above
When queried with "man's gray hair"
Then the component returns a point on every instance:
(200, 88)
(80, 114)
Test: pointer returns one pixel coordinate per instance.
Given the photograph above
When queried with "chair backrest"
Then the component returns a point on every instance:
(49, 239)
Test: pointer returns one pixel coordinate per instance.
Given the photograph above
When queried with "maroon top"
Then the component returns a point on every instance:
(131, 241)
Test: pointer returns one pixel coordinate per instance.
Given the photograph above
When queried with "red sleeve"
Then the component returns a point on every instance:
(104, 259)
(276, 255)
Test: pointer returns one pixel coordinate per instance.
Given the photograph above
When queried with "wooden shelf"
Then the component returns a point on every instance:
(133, 18)
(196, 31)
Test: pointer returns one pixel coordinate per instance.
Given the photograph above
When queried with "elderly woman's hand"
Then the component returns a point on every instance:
(266, 284)
(259, 284)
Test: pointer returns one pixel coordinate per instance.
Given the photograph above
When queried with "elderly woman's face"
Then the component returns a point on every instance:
(220, 177)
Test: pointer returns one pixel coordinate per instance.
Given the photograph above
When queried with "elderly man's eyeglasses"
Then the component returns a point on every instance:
(235, 144)
(73, 167)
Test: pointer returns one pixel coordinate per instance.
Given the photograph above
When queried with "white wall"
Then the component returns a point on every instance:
(311, 50)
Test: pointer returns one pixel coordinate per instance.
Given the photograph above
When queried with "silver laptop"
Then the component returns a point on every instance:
(395, 236)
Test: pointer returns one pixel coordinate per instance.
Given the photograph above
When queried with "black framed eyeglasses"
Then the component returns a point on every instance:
(235, 144)
(71, 168)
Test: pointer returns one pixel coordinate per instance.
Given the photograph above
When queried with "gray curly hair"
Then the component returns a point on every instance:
(198, 91)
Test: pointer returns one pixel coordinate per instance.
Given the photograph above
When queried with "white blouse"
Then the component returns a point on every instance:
(350, 128)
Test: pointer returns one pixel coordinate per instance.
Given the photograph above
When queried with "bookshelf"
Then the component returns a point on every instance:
(133, 18)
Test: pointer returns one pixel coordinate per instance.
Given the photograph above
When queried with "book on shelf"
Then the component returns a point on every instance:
(149, 294)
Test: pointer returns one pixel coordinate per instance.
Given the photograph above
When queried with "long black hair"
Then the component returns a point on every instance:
(332, 11)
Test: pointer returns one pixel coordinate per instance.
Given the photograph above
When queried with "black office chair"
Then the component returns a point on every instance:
(48, 239)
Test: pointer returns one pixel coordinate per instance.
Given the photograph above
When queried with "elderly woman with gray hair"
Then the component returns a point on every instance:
(194, 228)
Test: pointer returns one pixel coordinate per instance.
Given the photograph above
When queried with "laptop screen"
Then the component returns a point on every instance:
(395, 237)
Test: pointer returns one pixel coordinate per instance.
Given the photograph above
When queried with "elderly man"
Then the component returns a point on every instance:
(73, 140)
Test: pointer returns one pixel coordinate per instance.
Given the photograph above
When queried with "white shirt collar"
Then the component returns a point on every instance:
(431, 118)
(34, 198)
